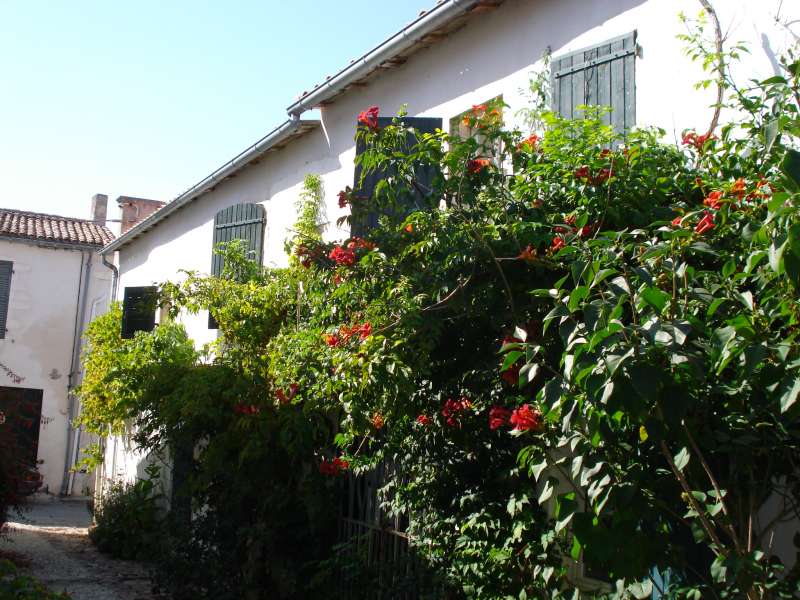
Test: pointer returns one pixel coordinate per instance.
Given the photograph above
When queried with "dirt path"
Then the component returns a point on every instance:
(53, 536)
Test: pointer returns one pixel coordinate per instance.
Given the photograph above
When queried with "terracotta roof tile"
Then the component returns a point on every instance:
(52, 228)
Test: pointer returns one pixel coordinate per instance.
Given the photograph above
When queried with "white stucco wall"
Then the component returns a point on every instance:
(39, 339)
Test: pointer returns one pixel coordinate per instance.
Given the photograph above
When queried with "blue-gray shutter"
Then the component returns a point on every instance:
(6, 269)
(360, 224)
(238, 222)
(139, 310)
(603, 75)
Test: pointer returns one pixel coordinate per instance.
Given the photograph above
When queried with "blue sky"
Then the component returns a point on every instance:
(145, 98)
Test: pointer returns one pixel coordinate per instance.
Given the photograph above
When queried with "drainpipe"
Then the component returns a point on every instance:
(114, 276)
(80, 311)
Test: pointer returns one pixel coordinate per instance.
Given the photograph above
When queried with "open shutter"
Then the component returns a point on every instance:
(139, 310)
(238, 222)
(6, 269)
(604, 75)
(362, 223)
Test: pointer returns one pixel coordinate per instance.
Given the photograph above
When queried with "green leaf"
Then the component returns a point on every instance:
(791, 167)
(655, 298)
(547, 491)
(577, 296)
(791, 259)
(789, 390)
(682, 459)
(537, 469)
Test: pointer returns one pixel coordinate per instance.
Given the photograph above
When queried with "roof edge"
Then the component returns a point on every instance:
(402, 40)
(277, 135)
(51, 244)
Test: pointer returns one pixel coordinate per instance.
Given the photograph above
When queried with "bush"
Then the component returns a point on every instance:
(128, 521)
(14, 586)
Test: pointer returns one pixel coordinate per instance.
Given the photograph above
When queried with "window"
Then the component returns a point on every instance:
(238, 222)
(463, 125)
(603, 75)
(361, 223)
(6, 269)
(139, 310)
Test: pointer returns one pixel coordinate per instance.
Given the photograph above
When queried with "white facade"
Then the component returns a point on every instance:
(49, 306)
(494, 54)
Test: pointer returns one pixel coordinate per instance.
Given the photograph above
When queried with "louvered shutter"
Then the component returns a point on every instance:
(604, 75)
(138, 310)
(360, 224)
(238, 222)
(6, 269)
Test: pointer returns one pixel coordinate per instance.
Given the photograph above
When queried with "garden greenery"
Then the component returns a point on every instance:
(578, 351)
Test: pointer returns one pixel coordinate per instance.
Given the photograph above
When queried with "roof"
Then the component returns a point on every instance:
(430, 27)
(274, 140)
(52, 229)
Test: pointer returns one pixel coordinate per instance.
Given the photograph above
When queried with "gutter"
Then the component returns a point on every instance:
(80, 311)
(114, 277)
(403, 40)
(275, 136)
(52, 245)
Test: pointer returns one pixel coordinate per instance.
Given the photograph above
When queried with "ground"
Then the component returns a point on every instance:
(53, 539)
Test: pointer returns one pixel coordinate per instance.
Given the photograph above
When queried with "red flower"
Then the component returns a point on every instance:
(478, 164)
(378, 421)
(586, 231)
(582, 173)
(424, 420)
(737, 189)
(529, 143)
(369, 117)
(605, 152)
(478, 109)
(705, 224)
(529, 254)
(713, 200)
(452, 410)
(334, 467)
(281, 395)
(342, 256)
(332, 339)
(498, 416)
(409, 228)
(602, 176)
(246, 409)
(558, 243)
(358, 243)
(698, 142)
(343, 198)
(676, 222)
(365, 331)
(526, 418)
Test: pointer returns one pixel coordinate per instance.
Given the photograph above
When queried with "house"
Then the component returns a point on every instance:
(53, 281)
(622, 53)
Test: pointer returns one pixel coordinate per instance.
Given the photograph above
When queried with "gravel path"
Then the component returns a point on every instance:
(53, 536)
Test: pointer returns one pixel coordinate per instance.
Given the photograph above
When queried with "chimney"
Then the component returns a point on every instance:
(99, 209)
(135, 210)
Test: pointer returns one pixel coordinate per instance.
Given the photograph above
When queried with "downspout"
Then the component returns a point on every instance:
(114, 277)
(80, 311)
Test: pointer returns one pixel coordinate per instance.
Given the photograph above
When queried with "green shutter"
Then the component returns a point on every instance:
(603, 75)
(6, 269)
(139, 310)
(360, 224)
(239, 222)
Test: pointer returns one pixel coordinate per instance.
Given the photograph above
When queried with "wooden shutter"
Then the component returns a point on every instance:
(359, 225)
(239, 222)
(6, 269)
(139, 310)
(604, 75)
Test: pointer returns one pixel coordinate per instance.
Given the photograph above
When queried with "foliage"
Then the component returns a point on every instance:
(128, 521)
(22, 587)
(578, 349)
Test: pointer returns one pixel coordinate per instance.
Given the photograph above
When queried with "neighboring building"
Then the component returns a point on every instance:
(624, 53)
(52, 283)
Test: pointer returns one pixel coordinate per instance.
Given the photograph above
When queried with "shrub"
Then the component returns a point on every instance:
(128, 521)
(15, 586)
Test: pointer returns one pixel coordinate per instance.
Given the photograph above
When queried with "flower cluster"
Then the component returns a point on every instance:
(345, 334)
(333, 467)
(526, 418)
(482, 117)
(498, 417)
(378, 421)
(286, 397)
(358, 243)
(698, 142)
(308, 255)
(369, 118)
(454, 409)
(342, 256)
(530, 143)
(478, 164)
(585, 174)
(423, 420)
